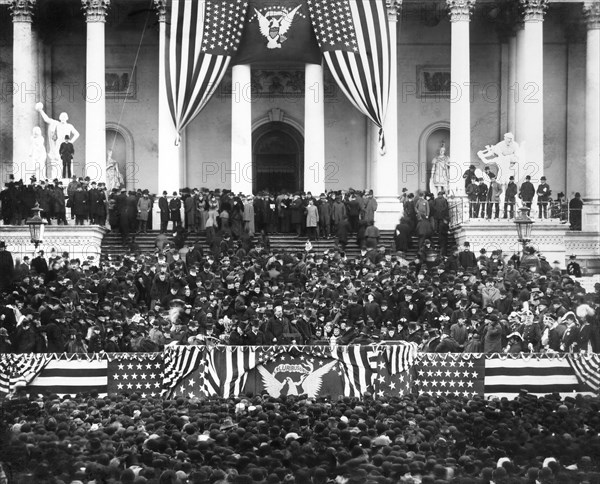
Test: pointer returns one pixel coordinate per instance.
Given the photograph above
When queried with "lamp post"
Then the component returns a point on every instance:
(36, 226)
(524, 225)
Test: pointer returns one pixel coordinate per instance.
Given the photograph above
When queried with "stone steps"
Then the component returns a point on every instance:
(111, 244)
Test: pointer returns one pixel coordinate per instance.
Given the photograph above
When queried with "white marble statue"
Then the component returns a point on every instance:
(36, 165)
(506, 155)
(114, 179)
(440, 172)
(57, 130)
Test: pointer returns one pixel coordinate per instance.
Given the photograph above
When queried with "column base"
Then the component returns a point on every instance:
(590, 221)
(389, 211)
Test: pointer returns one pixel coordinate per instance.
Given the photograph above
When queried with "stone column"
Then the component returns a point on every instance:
(25, 89)
(95, 96)
(241, 130)
(591, 212)
(314, 130)
(512, 83)
(385, 176)
(169, 152)
(530, 105)
(592, 101)
(460, 98)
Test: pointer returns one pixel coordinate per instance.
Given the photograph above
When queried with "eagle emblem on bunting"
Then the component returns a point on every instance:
(309, 383)
(274, 23)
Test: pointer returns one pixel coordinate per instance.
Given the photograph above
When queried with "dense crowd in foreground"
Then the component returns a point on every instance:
(411, 439)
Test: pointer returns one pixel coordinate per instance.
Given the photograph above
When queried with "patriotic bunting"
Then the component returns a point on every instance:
(443, 374)
(352, 371)
(507, 376)
(202, 36)
(354, 37)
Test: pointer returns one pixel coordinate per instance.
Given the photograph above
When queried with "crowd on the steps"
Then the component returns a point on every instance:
(238, 292)
(415, 439)
(302, 213)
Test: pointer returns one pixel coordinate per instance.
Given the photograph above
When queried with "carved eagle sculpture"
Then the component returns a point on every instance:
(274, 29)
(310, 385)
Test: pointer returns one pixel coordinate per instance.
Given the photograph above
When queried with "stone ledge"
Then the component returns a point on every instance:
(80, 241)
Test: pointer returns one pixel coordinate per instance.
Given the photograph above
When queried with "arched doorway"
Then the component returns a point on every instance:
(278, 158)
(431, 142)
(120, 142)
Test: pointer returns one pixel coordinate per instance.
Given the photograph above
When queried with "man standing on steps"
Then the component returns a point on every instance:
(526, 192)
(163, 206)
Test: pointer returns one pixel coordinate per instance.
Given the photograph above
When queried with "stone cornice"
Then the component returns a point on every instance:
(533, 10)
(95, 10)
(393, 8)
(161, 10)
(460, 10)
(22, 10)
(591, 12)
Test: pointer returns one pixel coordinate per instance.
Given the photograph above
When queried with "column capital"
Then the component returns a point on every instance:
(591, 12)
(161, 10)
(22, 10)
(533, 10)
(95, 10)
(393, 9)
(460, 10)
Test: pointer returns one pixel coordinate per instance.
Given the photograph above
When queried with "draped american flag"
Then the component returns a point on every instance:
(179, 362)
(140, 373)
(201, 39)
(541, 374)
(19, 370)
(449, 374)
(358, 366)
(70, 374)
(354, 37)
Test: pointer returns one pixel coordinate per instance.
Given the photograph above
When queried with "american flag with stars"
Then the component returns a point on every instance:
(441, 374)
(140, 373)
(202, 36)
(354, 37)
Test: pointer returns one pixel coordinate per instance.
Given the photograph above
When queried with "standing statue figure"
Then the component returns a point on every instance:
(506, 155)
(440, 172)
(114, 179)
(57, 130)
(37, 156)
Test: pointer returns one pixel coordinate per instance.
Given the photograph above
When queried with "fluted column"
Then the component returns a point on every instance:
(530, 105)
(169, 152)
(25, 90)
(314, 130)
(95, 96)
(592, 101)
(385, 176)
(512, 83)
(460, 99)
(241, 130)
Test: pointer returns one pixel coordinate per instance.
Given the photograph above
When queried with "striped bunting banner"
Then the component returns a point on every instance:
(507, 376)
(71, 376)
(587, 369)
(359, 365)
(180, 361)
(354, 37)
(239, 360)
(400, 357)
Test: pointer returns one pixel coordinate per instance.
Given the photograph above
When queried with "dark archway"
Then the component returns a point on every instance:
(278, 158)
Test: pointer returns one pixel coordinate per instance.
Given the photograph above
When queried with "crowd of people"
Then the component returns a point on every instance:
(252, 439)
(486, 195)
(241, 292)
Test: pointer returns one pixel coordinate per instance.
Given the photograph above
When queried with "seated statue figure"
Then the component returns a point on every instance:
(506, 155)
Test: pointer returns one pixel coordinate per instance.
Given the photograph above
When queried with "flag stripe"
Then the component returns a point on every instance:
(587, 369)
(64, 375)
(202, 37)
(360, 62)
(538, 376)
